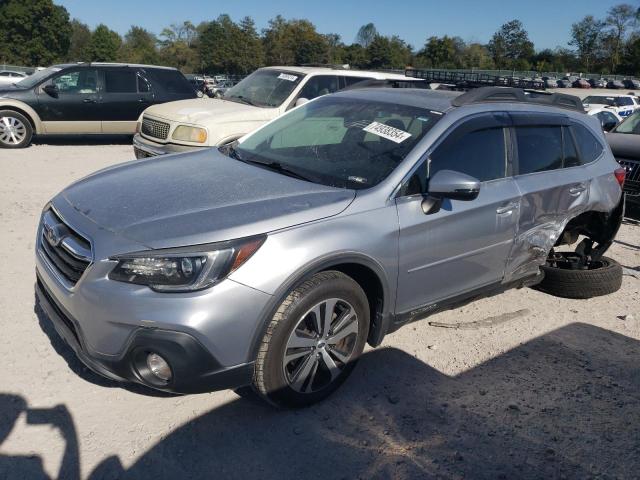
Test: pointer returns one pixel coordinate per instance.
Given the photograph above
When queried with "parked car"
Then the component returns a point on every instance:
(597, 83)
(581, 83)
(631, 83)
(624, 141)
(564, 83)
(262, 96)
(622, 105)
(550, 82)
(615, 84)
(9, 77)
(85, 98)
(273, 260)
(219, 89)
(608, 118)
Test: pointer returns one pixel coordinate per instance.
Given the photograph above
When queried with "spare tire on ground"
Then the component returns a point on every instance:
(602, 277)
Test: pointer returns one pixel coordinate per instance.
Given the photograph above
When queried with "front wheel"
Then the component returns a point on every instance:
(313, 341)
(15, 130)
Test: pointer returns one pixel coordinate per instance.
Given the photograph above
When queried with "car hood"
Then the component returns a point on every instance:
(624, 145)
(209, 111)
(201, 197)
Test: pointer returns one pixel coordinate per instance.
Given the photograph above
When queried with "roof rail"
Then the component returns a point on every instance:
(344, 66)
(506, 94)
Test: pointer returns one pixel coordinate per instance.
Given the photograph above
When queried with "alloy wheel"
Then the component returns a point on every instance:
(12, 131)
(320, 346)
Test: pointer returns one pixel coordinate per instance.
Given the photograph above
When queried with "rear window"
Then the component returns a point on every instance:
(120, 81)
(539, 148)
(171, 81)
(590, 147)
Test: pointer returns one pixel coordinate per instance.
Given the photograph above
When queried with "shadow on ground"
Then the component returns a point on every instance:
(83, 140)
(565, 405)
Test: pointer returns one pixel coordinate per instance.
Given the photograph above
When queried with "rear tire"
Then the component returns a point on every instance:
(313, 341)
(15, 130)
(603, 277)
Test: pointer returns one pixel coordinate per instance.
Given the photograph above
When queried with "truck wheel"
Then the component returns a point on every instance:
(603, 277)
(15, 130)
(313, 341)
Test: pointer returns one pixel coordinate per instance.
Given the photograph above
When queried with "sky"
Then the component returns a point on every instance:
(548, 22)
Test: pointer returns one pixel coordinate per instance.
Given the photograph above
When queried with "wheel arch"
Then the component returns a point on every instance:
(26, 110)
(367, 272)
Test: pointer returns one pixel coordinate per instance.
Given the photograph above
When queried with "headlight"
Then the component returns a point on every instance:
(190, 134)
(184, 270)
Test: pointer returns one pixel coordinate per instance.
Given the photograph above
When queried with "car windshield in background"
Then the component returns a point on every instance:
(37, 77)
(264, 88)
(340, 142)
(610, 101)
(630, 125)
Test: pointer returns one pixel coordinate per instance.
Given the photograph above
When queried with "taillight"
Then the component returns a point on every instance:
(620, 173)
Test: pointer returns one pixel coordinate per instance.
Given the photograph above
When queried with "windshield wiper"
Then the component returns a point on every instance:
(275, 166)
(244, 100)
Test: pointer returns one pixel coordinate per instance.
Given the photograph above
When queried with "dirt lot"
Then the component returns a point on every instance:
(540, 388)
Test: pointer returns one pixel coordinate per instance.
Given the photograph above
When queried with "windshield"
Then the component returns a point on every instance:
(37, 77)
(630, 125)
(264, 88)
(600, 100)
(340, 142)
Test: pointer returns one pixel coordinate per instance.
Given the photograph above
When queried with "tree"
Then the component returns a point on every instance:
(476, 55)
(510, 46)
(620, 19)
(444, 52)
(33, 33)
(388, 52)
(79, 45)
(139, 47)
(179, 46)
(366, 34)
(229, 47)
(585, 36)
(104, 44)
(294, 42)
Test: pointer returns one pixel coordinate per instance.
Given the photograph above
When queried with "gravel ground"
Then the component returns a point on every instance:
(536, 387)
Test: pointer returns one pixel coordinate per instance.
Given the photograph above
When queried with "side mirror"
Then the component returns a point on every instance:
(608, 126)
(452, 185)
(51, 90)
(301, 101)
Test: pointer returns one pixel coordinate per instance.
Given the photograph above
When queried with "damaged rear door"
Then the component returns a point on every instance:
(554, 187)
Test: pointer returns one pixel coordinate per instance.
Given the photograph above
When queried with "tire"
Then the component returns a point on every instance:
(15, 130)
(315, 371)
(603, 277)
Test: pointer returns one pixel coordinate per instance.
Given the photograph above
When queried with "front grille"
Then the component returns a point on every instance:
(155, 128)
(632, 179)
(65, 249)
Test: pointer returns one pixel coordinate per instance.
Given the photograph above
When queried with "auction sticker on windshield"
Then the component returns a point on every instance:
(385, 131)
(286, 76)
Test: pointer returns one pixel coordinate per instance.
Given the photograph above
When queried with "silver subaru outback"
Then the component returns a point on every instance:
(270, 262)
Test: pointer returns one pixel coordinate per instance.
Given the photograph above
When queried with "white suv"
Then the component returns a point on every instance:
(264, 95)
(622, 105)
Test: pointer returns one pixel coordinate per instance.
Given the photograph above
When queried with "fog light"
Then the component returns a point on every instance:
(159, 367)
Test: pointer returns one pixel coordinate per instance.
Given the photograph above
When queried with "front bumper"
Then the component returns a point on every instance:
(143, 147)
(194, 369)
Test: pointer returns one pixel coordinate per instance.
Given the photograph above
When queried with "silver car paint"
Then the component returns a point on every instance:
(310, 227)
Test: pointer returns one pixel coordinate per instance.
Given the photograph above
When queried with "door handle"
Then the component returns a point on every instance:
(577, 190)
(508, 208)
(143, 100)
(88, 100)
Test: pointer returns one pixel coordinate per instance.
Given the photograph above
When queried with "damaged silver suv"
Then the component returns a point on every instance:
(270, 262)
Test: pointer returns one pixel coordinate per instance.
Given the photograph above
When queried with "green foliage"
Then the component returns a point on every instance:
(585, 36)
(510, 46)
(179, 46)
(104, 44)
(33, 32)
(388, 52)
(366, 35)
(139, 47)
(80, 40)
(294, 42)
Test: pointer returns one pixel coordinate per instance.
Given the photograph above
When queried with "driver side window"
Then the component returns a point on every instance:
(318, 86)
(77, 82)
(480, 153)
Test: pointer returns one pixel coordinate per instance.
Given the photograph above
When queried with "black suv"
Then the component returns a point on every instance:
(85, 98)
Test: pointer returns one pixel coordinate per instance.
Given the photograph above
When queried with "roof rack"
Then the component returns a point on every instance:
(506, 94)
(344, 66)
(483, 88)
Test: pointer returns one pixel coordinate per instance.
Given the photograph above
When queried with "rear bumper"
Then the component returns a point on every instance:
(194, 369)
(143, 147)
